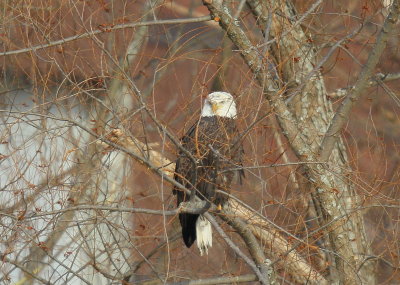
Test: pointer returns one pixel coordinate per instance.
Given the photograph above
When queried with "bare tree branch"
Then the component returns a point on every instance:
(184, 208)
(277, 246)
(374, 80)
(219, 280)
(302, 125)
(261, 277)
(106, 29)
(343, 112)
(270, 237)
(253, 246)
(32, 274)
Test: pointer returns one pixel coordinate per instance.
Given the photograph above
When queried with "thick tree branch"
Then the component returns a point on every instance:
(252, 245)
(277, 245)
(262, 278)
(304, 121)
(343, 112)
(219, 280)
(293, 262)
(158, 164)
(374, 80)
(254, 60)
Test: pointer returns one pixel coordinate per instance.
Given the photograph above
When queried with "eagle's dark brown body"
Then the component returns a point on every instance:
(215, 144)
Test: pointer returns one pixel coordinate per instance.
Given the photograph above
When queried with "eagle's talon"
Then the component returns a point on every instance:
(219, 207)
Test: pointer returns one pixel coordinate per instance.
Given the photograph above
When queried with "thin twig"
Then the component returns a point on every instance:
(275, 165)
(105, 30)
(27, 272)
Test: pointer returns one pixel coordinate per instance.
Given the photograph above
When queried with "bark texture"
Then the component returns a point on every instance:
(304, 114)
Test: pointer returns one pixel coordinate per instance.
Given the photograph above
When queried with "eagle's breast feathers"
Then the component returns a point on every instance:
(211, 141)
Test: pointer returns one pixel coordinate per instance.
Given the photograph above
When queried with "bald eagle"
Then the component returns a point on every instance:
(215, 146)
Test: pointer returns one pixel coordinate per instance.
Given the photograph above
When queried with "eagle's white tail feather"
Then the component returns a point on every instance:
(203, 234)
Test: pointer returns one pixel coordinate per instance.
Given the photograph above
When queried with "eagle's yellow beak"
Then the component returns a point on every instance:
(214, 107)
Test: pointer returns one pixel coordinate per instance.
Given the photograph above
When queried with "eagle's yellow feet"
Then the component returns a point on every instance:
(219, 207)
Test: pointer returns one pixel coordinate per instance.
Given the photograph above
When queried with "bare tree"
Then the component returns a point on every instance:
(96, 95)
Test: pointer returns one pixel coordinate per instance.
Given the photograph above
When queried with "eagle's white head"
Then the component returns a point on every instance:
(219, 104)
